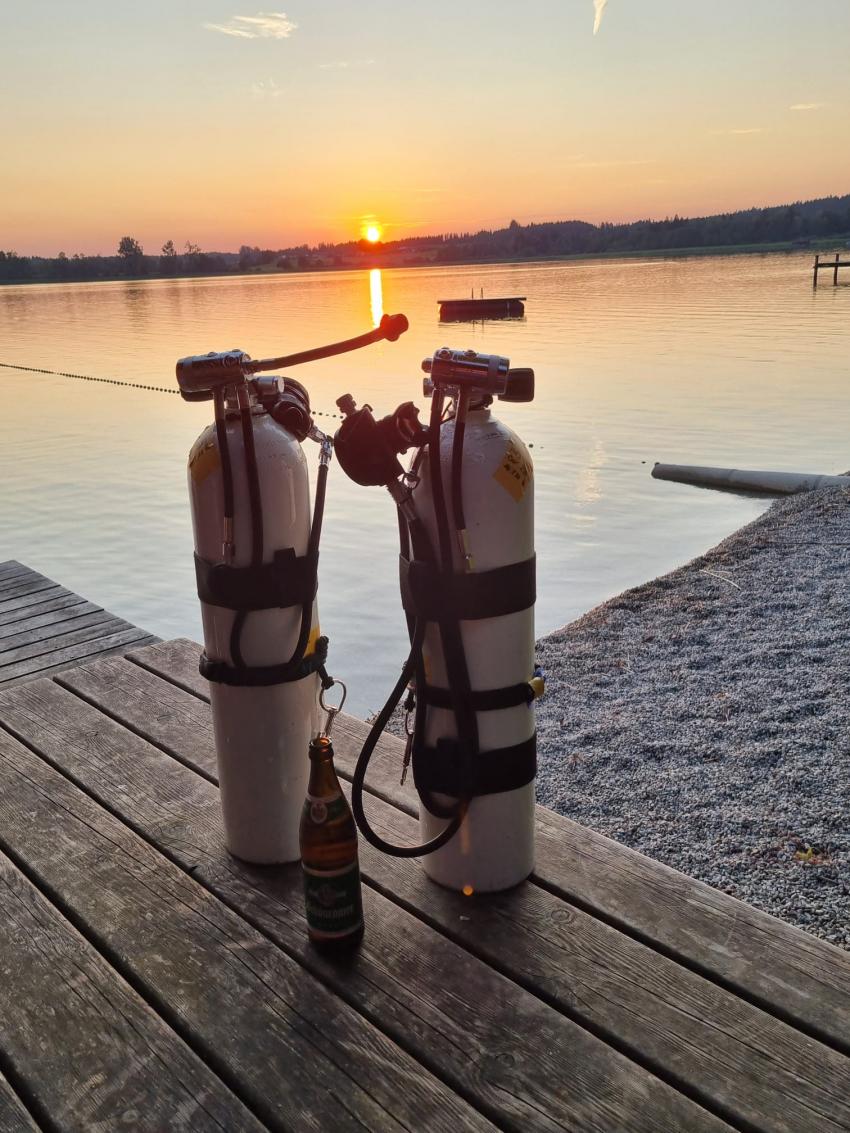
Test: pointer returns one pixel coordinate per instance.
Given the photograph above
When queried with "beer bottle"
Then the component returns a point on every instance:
(329, 857)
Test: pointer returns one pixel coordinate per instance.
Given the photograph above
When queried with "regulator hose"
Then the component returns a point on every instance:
(413, 537)
(256, 506)
(357, 779)
(257, 533)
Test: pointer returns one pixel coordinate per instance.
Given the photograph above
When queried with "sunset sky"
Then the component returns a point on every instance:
(224, 124)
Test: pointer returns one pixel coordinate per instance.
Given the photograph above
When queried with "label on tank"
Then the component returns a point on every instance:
(514, 472)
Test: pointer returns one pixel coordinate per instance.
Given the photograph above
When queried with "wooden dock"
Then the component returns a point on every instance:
(152, 982)
(45, 628)
(829, 265)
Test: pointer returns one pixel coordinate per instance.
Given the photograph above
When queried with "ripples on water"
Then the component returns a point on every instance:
(715, 360)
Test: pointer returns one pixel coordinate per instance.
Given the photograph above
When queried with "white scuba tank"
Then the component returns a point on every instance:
(494, 847)
(262, 734)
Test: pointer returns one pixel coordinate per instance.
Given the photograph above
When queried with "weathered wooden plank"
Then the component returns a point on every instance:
(14, 576)
(788, 972)
(14, 1117)
(12, 607)
(481, 1031)
(744, 1063)
(175, 660)
(46, 628)
(301, 1057)
(12, 566)
(22, 588)
(53, 660)
(83, 1042)
(154, 709)
(45, 614)
(756, 1069)
(32, 642)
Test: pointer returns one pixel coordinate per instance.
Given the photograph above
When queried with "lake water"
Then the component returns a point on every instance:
(714, 360)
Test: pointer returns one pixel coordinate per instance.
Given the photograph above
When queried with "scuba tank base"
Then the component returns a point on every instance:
(494, 848)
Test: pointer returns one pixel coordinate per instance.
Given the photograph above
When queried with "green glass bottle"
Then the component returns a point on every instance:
(329, 857)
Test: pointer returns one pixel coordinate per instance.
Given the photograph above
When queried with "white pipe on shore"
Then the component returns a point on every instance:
(779, 483)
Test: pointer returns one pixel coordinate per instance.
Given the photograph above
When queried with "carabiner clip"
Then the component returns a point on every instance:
(331, 709)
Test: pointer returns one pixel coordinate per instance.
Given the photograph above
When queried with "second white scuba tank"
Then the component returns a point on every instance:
(467, 572)
(494, 847)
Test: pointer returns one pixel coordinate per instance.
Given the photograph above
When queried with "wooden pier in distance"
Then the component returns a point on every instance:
(829, 265)
(155, 982)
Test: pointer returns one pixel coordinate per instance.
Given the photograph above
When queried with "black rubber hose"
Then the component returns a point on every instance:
(415, 536)
(359, 775)
(457, 462)
(434, 466)
(224, 453)
(312, 552)
(256, 505)
(450, 633)
(404, 552)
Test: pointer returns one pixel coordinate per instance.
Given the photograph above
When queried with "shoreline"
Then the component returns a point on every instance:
(699, 251)
(702, 717)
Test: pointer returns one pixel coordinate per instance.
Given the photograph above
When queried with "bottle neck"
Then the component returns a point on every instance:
(323, 781)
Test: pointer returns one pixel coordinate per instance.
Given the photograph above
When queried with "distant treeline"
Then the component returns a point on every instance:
(796, 224)
(129, 262)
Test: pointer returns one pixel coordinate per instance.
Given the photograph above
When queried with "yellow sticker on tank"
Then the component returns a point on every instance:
(515, 470)
(315, 634)
(203, 461)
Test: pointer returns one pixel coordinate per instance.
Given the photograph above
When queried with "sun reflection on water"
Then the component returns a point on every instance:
(376, 293)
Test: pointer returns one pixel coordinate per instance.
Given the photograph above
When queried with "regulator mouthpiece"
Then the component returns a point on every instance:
(488, 374)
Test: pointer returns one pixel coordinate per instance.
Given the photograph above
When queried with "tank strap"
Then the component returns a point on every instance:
(485, 700)
(428, 593)
(288, 580)
(260, 676)
(443, 769)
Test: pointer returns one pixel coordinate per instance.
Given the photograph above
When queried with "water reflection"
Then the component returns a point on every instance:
(376, 294)
(730, 361)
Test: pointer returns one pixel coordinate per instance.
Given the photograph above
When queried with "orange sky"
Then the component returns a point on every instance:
(210, 122)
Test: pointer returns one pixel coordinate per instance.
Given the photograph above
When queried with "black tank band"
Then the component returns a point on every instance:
(428, 593)
(443, 769)
(485, 700)
(261, 676)
(288, 580)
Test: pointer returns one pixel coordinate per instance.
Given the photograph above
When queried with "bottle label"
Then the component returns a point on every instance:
(325, 808)
(332, 900)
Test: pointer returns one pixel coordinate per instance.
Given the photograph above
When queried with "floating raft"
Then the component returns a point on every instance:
(502, 308)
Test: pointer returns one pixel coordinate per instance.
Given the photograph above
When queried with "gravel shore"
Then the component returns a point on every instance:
(704, 718)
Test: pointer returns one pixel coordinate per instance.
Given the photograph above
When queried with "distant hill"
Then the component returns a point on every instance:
(800, 224)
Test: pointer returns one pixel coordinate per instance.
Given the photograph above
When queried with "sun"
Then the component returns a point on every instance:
(373, 233)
